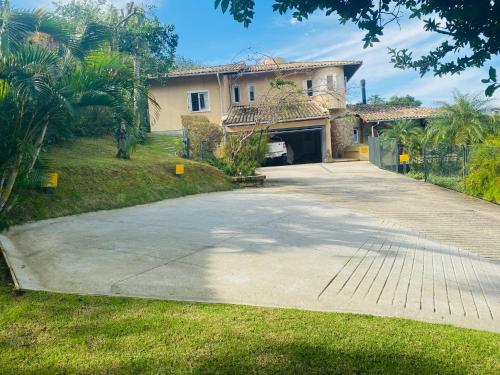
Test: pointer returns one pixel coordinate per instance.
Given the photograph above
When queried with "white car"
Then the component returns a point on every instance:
(276, 150)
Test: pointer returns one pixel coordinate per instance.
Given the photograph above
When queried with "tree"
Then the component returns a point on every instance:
(466, 25)
(376, 100)
(135, 32)
(44, 84)
(404, 101)
(397, 101)
(407, 133)
(467, 121)
(181, 62)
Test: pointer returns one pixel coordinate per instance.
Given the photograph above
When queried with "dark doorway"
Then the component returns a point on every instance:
(306, 144)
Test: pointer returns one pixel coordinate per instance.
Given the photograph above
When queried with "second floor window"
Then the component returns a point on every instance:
(236, 94)
(309, 87)
(251, 93)
(199, 101)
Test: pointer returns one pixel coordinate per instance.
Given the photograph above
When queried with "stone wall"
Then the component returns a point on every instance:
(342, 130)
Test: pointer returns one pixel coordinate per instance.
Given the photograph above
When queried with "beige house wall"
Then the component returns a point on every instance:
(173, 101)
(335, 99)
(173, 96)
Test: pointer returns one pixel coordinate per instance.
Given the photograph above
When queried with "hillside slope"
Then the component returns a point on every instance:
(91, 178)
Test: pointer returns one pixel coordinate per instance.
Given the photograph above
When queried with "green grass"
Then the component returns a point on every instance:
(91, 178)
(450, 182)
(47, 333)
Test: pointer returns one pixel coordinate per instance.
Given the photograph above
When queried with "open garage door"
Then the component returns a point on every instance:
(307, 144)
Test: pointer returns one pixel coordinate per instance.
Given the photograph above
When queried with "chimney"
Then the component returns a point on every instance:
(363, 91)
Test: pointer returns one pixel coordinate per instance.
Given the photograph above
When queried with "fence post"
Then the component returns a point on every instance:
(186, 144)
(464, 164)
(425, 163)
(379, 144)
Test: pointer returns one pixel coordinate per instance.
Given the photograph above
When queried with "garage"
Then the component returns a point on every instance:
(304, 145)
(302, 131)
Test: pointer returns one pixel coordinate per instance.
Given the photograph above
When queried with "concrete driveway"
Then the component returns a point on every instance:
(333, 237)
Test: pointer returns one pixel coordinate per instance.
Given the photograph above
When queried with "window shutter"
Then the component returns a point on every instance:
(202, 101)
(339, 84)
(304, 87)
(330, 83)
(320, 84)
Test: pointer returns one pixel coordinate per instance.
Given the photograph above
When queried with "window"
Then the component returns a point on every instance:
(330, 83)
(309, 87)
(236, 94)
(251, 92)
(198, 101)
(355, 136)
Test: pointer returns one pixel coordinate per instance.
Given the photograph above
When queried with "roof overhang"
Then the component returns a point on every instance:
(385, 113)
(278, 122)
(350, 67)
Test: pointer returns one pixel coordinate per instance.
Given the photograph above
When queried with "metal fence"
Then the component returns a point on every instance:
(445, 165)
(384, 153)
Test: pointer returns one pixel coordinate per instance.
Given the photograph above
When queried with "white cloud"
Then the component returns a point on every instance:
(294, 21)
(344, 42)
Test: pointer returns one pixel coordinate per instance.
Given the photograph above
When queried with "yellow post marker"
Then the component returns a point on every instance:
(179, 169)
(50, 182)
(404, 158)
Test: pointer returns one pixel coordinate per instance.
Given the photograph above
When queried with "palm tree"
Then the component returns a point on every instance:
(465, 122)
(404, 131)
(408, 134)
(45, 79)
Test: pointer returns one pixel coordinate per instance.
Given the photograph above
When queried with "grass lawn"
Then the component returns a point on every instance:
(46, 333)
(91, 178)
(450, 182)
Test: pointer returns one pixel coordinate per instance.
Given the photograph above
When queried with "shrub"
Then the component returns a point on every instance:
(204, 137)
(242, 155)
(483, 180)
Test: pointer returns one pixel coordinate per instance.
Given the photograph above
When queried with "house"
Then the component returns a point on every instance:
(352, 127)
(318, 125)
(229, 95)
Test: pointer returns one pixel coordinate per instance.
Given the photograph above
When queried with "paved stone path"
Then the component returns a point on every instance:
(322, 237)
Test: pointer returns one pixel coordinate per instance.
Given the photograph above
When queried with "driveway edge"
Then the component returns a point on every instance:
(4, 243)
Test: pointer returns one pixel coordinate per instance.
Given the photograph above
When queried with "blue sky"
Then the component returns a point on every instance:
(209, 37)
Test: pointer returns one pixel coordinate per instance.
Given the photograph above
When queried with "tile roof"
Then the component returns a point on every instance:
(373, 113)
(242, 67)
(299, 65)
(228, 68)
(302, 110)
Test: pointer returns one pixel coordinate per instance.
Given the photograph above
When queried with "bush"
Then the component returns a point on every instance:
(241, 157)
(204, 137)
(483, 180)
